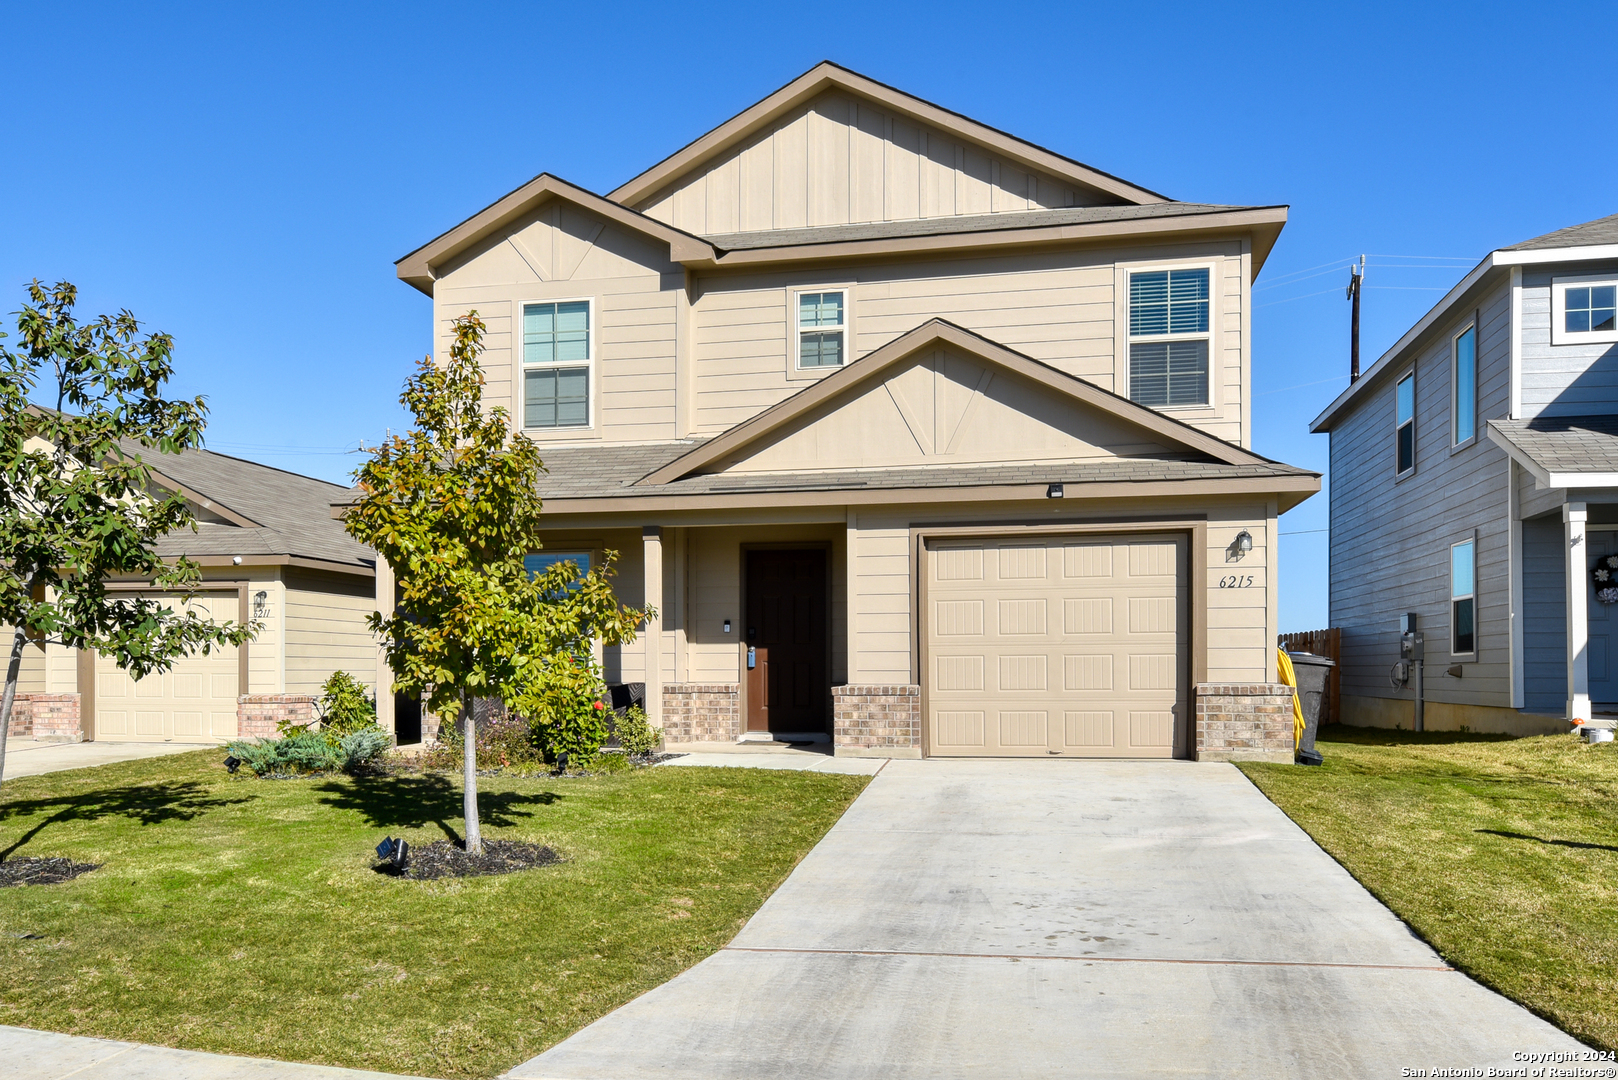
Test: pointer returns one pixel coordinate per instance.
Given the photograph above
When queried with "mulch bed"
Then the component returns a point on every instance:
(41, 871)
(442, 859)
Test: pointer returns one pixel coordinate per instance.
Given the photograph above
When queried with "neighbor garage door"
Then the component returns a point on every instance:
(194, 701)
(1074, 646)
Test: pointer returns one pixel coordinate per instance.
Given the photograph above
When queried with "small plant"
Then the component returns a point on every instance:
(608, 762)
(505, 742)
(636, 734)
(345, 705)
(363, 749)
(564, 703)
(298, 754)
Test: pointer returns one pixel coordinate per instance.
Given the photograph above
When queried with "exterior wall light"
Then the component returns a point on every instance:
(1053, 491)
(1244, 541)
(261, 605)
(727, 626)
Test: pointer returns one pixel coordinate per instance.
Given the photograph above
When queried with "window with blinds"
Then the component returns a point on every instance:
(557, 359)
(1169, 320)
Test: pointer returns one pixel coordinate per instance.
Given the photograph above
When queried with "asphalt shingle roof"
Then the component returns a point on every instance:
(1600, 231)
(940, 226)
(1564, 444)
(293, 512)
(607, 472)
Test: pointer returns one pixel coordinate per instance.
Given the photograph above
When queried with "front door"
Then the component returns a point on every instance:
(788, 686)
(1603, 624)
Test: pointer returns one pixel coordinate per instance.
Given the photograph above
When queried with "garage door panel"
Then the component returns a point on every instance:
(194, 701)
(1081, 641)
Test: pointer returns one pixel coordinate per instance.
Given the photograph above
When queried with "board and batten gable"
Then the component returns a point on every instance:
(1390, 538)
(1563, 380)
(563, 252)
(842, 160)
(1065, 308)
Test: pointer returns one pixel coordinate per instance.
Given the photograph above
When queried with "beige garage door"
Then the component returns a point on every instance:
(1072, 646)
(194, 701)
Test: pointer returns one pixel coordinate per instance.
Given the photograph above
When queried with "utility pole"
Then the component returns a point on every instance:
(1356, 278)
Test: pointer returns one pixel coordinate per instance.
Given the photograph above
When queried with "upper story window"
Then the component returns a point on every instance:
(1464, 407)
(1584, 309)
(822, 328)
(1168, 337)
(540, 562)
(557, 358)
(1405, 424)
(1463, 633)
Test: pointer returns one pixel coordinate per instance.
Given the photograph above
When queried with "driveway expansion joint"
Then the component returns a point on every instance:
(1088, 959)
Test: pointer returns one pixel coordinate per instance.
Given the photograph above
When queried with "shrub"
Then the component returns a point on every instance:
(297, 754)
(363, 749)
(505, 742)
(635, 733)
(564, 703)
(345, 706)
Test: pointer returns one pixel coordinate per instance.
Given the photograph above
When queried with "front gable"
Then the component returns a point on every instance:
(944, 407)
(941, 395)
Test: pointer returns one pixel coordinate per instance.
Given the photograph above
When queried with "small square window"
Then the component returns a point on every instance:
(1168, 302)
(822, 327)
(1163, 374)
(1584, 310)
(557, 397)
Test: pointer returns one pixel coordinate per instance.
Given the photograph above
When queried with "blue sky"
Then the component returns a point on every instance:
(243, 177)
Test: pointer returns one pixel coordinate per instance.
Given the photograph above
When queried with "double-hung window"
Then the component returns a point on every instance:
(1405, 424)
(556, 361)
(540, 562)
(1584, 309)
(1464, 378)
(822, 329)
(1463, 629)
(1168, 337)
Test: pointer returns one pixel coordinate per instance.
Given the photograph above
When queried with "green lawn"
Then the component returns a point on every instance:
(243, 916)
(1502, 853)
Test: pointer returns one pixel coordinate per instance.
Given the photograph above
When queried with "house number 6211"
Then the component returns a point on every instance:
(1236, 581)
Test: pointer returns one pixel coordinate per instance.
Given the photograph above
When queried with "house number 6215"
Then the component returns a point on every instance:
(1236, 581)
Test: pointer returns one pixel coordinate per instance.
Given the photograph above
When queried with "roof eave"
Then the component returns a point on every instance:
(827, 74)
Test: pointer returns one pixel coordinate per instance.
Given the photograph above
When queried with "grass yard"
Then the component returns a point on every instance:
(1502, 853)
(243, 916)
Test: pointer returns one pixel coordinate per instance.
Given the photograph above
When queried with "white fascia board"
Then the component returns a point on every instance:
(1540, 256)
(1582, 479)
(1387, 359)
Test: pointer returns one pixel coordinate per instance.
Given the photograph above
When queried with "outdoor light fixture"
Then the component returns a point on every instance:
(233, 763)
(727, 626)
(261, 604)
(1053, 491)
(236, 560)
(394, 851)
(1244, 541)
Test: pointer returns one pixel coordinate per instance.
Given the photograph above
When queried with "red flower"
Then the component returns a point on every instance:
(600, 706)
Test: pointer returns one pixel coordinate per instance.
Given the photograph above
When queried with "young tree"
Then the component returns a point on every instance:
(453, 506)
(77, 501)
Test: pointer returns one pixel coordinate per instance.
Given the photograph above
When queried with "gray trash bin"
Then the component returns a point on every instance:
(1313, 673)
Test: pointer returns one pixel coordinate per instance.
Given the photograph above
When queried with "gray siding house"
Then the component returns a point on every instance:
(1474, 482)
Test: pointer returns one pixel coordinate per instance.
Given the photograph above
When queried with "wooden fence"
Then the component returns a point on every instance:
(1327, 643)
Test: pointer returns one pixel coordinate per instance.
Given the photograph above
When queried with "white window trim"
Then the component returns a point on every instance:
(1559, 287)
(1214, 267)
(795, 364)
(1415, 428)
(1472, 596)
(1455, 384)
(588, 363)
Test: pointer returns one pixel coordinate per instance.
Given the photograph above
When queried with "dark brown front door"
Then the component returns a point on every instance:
(788, 686)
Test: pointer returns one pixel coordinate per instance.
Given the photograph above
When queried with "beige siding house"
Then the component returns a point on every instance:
(269, 552)
(920, 438)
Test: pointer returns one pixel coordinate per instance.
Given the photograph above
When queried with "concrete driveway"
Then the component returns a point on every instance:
(1060, 918)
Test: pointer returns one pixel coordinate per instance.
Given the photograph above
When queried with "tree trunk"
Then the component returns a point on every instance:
(469, 797)
(7, 699)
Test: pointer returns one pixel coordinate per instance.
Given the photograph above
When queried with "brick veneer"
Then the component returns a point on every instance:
(49, 717)
(259, 716)
(1244, 722)
(877, 720)
(701, 712)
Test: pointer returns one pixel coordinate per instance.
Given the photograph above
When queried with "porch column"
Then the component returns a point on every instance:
(1574, 516)
(652, 568)
(385, 596)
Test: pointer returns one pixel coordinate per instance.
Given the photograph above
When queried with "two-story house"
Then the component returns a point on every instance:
(918, 437)
(1474, 483)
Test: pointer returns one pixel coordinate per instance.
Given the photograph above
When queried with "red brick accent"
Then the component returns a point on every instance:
(701, 712)
(877, 718)
(259, 716)
(1244, 722)
(48, 717)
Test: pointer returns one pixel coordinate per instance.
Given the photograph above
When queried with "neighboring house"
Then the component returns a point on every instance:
(269, 551)
(1474, 482)
(919, 437)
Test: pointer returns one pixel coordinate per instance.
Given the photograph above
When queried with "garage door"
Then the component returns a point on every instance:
(1074, 646)
(194, 701)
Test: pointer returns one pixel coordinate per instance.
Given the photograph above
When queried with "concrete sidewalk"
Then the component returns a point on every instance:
(44, 1055)
(780, 758)
(29, 757)
(1060, 918)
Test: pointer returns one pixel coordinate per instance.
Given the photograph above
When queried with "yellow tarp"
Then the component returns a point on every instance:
(1283, 667)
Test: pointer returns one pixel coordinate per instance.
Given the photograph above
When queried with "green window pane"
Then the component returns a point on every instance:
(1461, 570)
(558, 397)
(1407, 398)
(820, 350)
(553, 332)
(820, 309)
(1169, 373)
(1168, 302)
